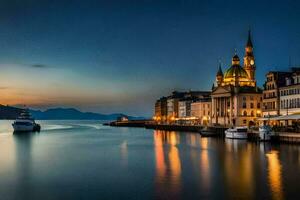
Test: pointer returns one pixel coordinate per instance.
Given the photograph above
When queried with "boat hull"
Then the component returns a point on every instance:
(236, 135)
(23, 128)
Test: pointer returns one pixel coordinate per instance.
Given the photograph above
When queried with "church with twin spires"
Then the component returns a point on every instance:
(236, 99)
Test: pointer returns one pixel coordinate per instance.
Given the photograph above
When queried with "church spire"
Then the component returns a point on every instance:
(220, 72)
(249, 61)
(219, 76)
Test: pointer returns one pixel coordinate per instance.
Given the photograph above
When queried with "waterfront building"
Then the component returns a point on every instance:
(271, 97)
(161, 109)
(290, 94)
(172, 105)
(201, 111)
(236, 99)
(177, 105)
(184, 108)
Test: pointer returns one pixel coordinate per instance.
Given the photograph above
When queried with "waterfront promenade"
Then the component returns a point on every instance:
(284, 137)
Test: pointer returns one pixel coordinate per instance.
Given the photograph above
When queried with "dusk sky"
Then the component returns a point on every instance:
(120, 56)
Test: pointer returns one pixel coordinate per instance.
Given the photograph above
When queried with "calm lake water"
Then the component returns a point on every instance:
(85, 160)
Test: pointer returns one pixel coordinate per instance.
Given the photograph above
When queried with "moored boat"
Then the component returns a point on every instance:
(237, 133)
(265, 133)
(25, 123)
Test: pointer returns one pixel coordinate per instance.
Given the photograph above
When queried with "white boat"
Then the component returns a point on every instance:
(25, 123)
(237, 133)
(265, 133)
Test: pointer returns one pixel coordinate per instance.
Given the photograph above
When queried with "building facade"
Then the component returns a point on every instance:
(201, 111)
(290, 94)
(236, 100)
(271, 97)
(177, 105)
(184, 108)
(161, 109)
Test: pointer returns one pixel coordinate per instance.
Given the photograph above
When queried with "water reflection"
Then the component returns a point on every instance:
(238, 163)
(7, 154)
(274, 175)
(65, 164)
(168, 163)
(23, 165)
(124, 153)
(205, 165)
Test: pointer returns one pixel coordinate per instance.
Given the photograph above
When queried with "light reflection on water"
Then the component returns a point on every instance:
(88, 162)
(274, 175)
(238, 166)
(168, 163)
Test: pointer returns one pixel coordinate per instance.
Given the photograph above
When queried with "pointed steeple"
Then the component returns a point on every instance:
(249, 42)
(220, 72)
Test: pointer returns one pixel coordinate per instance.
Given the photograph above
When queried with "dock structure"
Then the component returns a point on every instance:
(130, 123)
(173, 127)
(285, 137)
(279, 137)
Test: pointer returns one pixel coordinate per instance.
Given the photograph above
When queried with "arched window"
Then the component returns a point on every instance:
(252, 114)
(245, 113)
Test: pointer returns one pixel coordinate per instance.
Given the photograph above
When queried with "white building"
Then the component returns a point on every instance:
(290, 95)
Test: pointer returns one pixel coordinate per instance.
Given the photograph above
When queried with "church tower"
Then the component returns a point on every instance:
(219, 76)
(249, 63)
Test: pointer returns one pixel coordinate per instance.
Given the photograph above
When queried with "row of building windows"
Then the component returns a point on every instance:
(289, 92)
(269, 95)
(252, 114)
(270, 87)
(269, 105)
(251, 98)
(290, 103)
(244, 105)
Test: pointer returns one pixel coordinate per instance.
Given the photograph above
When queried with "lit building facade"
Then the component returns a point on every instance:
(271, 97)
(236, 100)
(177, 106)
(201, 111)
(184, 108)
(290, 94)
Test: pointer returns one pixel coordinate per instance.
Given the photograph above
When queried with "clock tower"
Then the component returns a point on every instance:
(249, 62)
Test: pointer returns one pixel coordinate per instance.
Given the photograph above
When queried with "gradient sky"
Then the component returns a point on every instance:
(119, 56)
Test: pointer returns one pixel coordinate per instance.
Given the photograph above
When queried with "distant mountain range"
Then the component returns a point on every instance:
(9, 112)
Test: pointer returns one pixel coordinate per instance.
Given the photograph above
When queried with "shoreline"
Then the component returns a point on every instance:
(280, 137)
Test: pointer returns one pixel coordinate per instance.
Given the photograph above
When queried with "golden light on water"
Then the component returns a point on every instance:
(204, 163)
(159, 155)
(239, 169)
(168, 163)
(275, 175)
